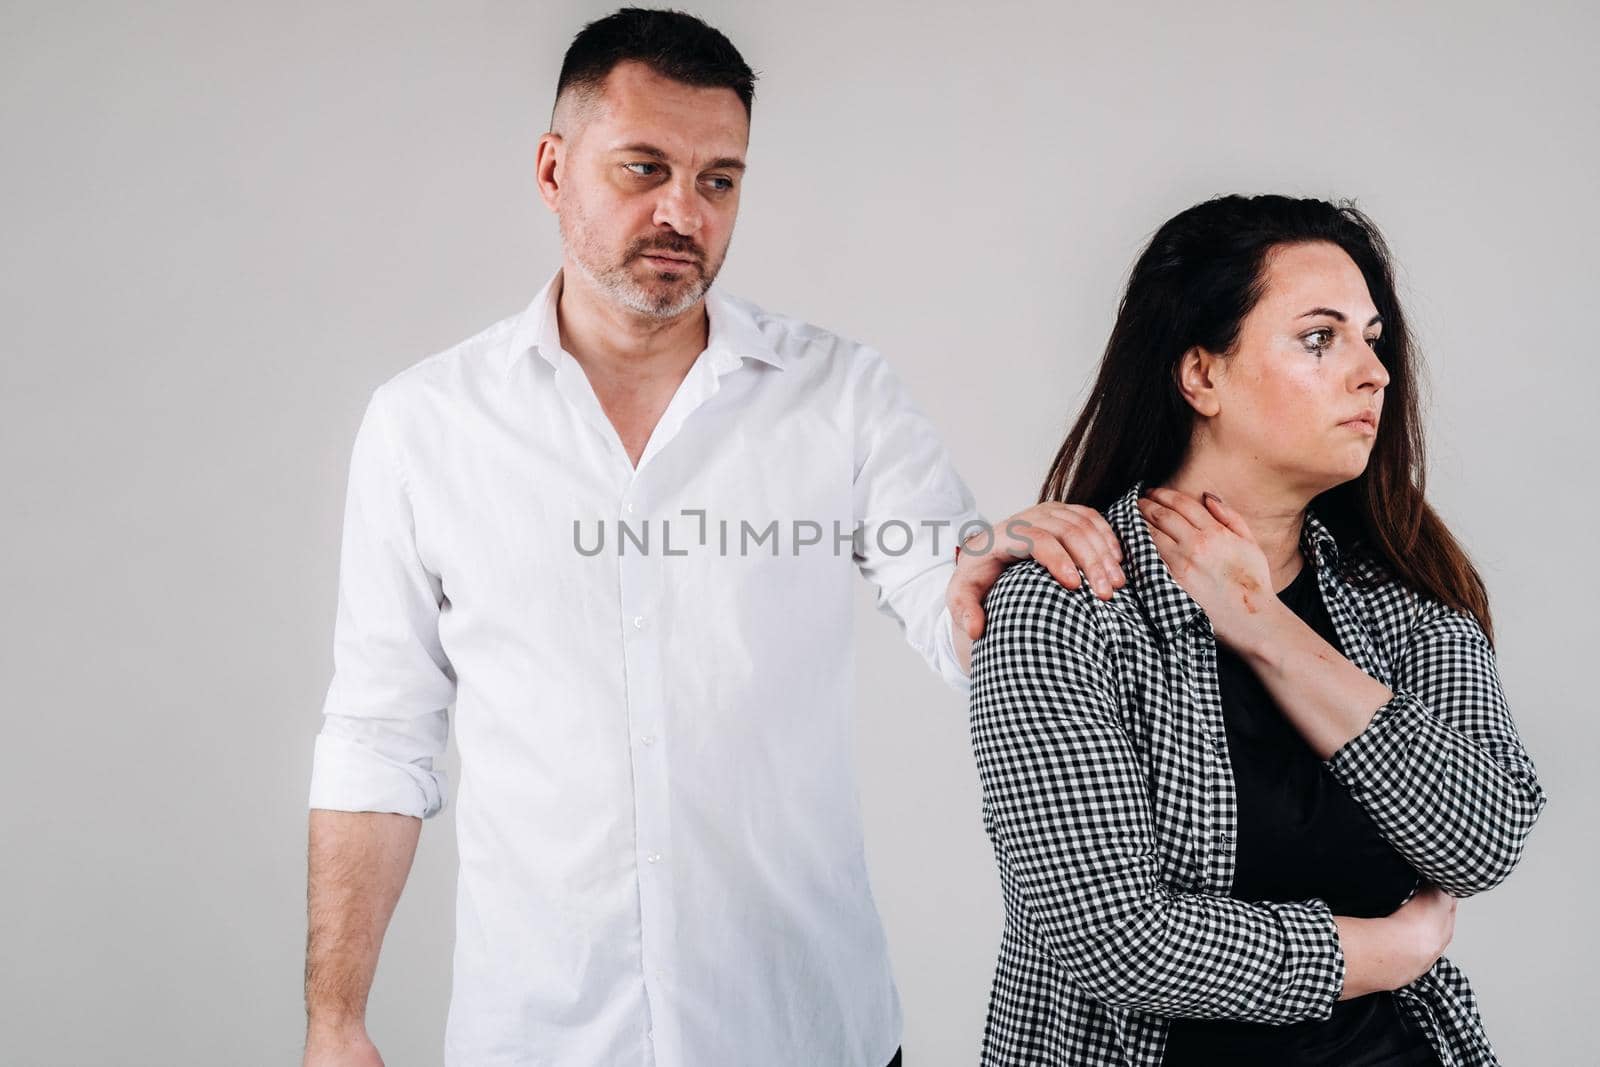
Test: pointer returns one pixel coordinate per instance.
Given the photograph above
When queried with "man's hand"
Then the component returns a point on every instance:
(340, 1047)
(1064, 538)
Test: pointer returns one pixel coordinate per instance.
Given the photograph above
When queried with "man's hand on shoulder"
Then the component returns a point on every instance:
(1065, 538)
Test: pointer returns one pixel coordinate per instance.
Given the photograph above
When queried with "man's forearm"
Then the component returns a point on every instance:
(357, 865)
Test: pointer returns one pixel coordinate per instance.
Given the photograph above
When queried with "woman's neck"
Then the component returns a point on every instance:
(1274, 512)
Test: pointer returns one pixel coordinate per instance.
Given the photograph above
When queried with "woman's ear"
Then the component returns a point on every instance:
(1195, 372)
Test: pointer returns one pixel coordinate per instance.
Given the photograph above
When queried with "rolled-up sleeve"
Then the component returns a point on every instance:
(385, 718)
(912, 507)
(1440, 768)
(1067, 806)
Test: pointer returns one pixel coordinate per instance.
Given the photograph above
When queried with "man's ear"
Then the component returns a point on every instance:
(1196, 372)
(548, 167)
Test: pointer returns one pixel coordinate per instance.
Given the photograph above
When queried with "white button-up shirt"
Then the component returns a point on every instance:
(651, 672)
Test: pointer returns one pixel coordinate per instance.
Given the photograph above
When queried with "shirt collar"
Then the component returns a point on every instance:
(1317, 544)
(1168, 607)
(734, 332)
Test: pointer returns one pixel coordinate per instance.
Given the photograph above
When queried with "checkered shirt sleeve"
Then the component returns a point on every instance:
(1066, 804)
(1440, 768)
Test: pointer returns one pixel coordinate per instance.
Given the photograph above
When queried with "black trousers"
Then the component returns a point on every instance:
(896, 1061)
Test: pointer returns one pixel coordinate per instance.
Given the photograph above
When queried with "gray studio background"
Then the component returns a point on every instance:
(224, 224)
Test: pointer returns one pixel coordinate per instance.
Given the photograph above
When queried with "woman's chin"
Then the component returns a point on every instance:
(1326, 480)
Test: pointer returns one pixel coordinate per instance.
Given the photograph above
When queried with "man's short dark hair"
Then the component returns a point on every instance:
(673, 44)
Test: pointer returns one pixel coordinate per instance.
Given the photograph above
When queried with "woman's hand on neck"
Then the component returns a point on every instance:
(1274, 509)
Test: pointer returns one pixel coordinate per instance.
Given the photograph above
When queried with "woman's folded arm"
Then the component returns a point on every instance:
(1066, 803)
(1440, 767)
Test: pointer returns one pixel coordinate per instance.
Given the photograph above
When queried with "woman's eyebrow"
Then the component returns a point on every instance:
(1338, 316)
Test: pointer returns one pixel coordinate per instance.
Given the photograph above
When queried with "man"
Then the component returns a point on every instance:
(617, 532)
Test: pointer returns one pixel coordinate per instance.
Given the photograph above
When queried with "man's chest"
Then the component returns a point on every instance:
(532, 503)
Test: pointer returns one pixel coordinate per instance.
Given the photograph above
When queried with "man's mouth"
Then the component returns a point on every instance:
(667, 260)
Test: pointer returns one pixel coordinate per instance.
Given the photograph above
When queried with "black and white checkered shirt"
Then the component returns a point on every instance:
(1109, 798)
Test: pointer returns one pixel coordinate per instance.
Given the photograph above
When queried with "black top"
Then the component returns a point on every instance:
(1301, 836)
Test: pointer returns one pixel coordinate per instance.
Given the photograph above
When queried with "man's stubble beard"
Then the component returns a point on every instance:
(615, 280)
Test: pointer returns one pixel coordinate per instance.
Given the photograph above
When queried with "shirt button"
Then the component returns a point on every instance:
(654, 857)
(648, 739)
(638, 622)
(630, 507)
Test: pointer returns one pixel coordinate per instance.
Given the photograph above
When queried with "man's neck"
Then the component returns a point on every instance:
(615, 345)
(1274, 512)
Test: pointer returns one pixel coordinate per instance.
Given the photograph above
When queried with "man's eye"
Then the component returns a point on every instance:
(643, 170)
(1317, 340)
(720, 184)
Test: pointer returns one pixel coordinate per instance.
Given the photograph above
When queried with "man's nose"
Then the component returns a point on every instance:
(679, 208)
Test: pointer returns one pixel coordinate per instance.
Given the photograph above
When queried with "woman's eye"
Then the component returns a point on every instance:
(1374, 343)
(1317, 340)
(643, 170)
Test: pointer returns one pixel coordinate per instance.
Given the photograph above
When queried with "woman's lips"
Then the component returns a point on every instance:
(1367, 424)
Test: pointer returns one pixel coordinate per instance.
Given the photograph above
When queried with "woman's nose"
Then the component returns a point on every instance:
(1371, 372)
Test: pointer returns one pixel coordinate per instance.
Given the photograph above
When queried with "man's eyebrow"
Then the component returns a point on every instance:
(1338, 316)
(639, 148)
(642, 149)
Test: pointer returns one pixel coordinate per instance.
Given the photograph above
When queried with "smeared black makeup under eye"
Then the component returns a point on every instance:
(1308, 340)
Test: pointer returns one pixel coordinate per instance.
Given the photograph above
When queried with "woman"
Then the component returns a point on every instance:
(1232, 825)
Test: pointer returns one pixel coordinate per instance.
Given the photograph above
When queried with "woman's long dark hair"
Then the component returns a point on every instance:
(1200, 275)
